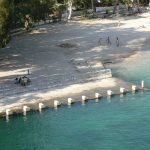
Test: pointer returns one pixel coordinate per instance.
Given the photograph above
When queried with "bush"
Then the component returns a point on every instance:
(84, 13)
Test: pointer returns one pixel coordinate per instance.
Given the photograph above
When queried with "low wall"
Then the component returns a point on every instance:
(99, 9)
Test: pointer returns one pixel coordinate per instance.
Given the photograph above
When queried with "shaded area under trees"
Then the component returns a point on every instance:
(25, 13)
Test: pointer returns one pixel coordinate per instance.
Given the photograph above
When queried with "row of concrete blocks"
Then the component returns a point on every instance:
(70, 100)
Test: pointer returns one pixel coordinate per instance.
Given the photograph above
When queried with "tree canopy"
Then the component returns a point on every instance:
(5, 11)
(20, 13)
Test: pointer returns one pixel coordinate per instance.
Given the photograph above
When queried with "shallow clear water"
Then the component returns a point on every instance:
(134, 70)
(122, 123)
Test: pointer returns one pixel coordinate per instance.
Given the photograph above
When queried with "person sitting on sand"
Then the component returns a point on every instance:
(25, 81)
(22, 80)
(16, 80)
(19, 81)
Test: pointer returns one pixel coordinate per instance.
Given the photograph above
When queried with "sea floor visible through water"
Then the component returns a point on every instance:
(119, 123)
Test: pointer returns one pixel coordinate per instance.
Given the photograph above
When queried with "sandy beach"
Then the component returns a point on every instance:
(67, 60)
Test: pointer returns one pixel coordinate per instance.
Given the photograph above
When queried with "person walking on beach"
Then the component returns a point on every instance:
(99, 41)
(108, 41)
(28, 72)
(119, 23)
(117, 41)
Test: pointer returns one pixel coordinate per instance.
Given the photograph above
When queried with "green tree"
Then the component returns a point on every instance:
(5, 10)
(84, 4)
(20, 10)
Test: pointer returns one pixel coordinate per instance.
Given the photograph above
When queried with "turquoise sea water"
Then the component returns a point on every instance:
(122, 123)
(135, 70)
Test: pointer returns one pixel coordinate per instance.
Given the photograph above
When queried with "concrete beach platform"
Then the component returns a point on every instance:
(75, 92)
(68, 61)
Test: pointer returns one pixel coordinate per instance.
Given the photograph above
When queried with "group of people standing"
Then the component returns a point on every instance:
(108, 41)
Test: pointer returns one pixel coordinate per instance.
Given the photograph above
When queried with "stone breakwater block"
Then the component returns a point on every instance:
(41, 105)
(26, 108)
(109, 93)
(56, 103)
(97, 95)
(84, 98)
(142, 84)
(70, 101)
(134, 88)
(8, 112)
(122, 90)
